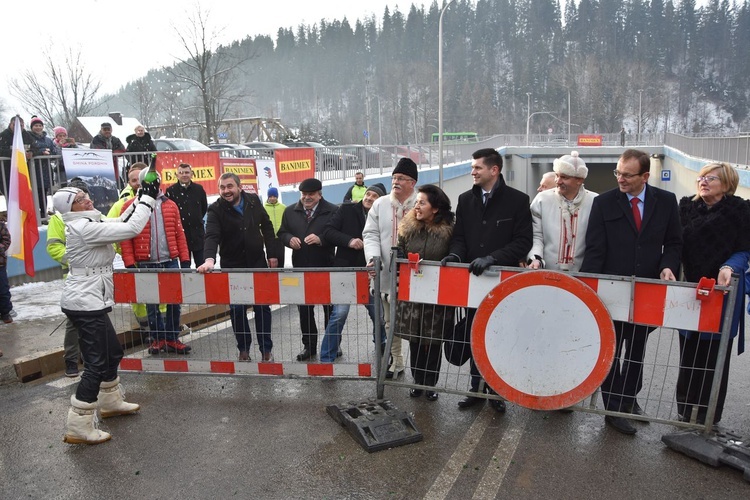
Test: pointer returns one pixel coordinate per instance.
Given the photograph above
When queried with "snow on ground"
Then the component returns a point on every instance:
(37, 300)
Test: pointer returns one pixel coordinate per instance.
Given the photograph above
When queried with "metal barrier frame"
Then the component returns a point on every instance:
(498, 273)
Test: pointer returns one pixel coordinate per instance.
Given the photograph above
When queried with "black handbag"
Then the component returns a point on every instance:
(457, 348)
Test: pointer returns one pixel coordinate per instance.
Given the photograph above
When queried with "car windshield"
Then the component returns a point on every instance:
(190, 145)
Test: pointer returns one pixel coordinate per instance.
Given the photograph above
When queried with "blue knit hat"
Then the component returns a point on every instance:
(272, 191)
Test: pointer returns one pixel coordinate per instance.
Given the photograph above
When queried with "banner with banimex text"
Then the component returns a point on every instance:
(206, 168)
(245, 169)
(294, 165)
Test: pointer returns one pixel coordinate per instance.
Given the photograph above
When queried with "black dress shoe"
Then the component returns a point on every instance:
(637, 410)
(415, 393)
(498, 405)
(306, 354)
(620, 425)
(389, 374)
(431, 396)
(470, 401)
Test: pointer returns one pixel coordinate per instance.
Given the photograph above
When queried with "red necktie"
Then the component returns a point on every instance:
(636, 214)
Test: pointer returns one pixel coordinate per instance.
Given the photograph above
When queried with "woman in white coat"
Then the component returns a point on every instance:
(88, 297)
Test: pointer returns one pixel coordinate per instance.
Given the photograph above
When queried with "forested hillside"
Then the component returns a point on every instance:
(685, 68)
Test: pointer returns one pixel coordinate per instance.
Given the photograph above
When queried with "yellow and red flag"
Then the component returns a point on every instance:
(22, 223)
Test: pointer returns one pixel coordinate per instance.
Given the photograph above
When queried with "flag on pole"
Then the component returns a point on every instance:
(22, 224)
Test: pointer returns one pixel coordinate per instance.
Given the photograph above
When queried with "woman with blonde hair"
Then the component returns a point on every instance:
(716, 244)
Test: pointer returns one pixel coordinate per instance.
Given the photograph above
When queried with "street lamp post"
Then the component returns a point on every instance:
(568, 141)
(440, 94)
(640, 102)
(528, 115)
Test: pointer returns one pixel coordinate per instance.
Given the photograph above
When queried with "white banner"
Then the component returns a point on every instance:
(96, 169)
(266, 175)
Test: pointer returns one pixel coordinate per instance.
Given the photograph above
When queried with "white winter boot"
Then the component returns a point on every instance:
(82, 426)
(111, 400)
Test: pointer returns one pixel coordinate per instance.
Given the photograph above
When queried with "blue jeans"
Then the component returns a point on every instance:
(163, 328)
(241, 327)
(332, 339)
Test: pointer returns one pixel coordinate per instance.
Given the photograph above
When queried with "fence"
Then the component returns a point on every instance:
(544, 339)
(735, 150)
(548, 346)
(214, 342)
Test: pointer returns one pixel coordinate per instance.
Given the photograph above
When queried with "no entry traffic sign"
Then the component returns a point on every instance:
(543, 340)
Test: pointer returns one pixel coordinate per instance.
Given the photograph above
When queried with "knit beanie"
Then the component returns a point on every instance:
(272, 191)
(35, 119)
(377, 188)
(407, 167)
(59, 130)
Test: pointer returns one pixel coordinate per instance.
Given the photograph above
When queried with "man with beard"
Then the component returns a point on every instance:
(238, 225)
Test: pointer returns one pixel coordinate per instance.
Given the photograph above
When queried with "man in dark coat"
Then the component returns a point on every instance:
(634, 230)
(105, 140)
(344, 230)
(6, 147)
(191, 200)
(493, 227)
(302, 228)
(238, 225)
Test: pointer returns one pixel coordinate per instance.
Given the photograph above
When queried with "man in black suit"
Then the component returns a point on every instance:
(493, 227)
(633, 230)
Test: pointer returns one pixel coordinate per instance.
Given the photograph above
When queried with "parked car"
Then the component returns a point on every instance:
(179, 144)
(328, 158)
(237, 151)
(371, 156)
(264, 145)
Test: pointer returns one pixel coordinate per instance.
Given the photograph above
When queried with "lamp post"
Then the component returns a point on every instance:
(440, 94)
(568, 141)
(528, 115)
(640, 102)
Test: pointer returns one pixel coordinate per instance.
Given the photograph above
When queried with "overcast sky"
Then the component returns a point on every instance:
(121, 41)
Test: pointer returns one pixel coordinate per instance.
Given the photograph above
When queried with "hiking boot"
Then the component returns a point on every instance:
(177, 346)
(244, 356)
(7, 318)
(157, 346)
(267, 357)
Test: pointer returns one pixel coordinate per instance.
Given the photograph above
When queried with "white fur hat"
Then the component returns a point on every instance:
(63, 199)
(571, 165)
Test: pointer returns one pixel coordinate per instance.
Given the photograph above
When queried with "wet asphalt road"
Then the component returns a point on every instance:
(220, 437)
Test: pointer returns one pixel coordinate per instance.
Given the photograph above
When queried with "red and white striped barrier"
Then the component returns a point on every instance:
(294, 369)
(665, 304)
(257, 288)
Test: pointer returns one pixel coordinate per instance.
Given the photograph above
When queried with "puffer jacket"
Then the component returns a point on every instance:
(89, 238)
(140, 144)
(40, 142)
(139, 249)
(431, 241)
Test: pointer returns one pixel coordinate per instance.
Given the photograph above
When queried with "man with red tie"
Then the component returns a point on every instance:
(634, 230)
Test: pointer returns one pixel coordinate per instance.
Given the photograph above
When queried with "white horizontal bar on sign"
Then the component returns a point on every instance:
(193, 288)
(423, 285)
(147, 288)
(292, 288)
(681, 309)
(616, 296)
(480, 286)
(344, 287)
(241, 288)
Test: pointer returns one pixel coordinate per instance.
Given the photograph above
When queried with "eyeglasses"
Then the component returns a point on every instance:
(707, 178)
(82, 199)
(619, 174)
(399, 178)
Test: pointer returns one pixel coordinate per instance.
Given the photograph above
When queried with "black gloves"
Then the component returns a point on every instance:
(480, 264)
(185, 264)
(150, 188)
(449, 258)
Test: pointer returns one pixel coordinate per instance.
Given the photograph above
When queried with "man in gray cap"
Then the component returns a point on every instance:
(302, 229)
(344, 230)
(381, 234)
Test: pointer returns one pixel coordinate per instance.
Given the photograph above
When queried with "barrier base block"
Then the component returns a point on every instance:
(376, 424)
(722, 448)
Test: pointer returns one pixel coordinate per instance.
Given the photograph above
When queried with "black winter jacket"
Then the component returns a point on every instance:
(140, 144)
(294, 223)
(192, 202)
(239, 237)
(346, 224)
(502, 228)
